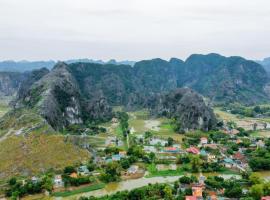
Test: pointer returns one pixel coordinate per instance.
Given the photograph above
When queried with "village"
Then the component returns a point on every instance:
(202, 163)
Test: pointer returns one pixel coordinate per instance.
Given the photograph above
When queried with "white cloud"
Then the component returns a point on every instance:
(138, 29)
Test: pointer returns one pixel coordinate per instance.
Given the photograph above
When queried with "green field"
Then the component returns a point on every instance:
(153, 172)
(162, 127)
(80, 190)
(241, 121)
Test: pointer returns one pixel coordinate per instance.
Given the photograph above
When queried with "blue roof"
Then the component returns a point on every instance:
(203, 152)
(228, 160)
(116, 157)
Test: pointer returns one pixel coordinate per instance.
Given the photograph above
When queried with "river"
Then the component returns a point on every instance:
(111, 188)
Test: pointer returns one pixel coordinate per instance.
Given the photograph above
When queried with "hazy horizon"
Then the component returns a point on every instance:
(133, 30)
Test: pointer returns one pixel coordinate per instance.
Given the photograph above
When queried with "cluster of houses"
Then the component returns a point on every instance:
(198, 188)
(159, 146)
(81, 171)
(237, 161)
(116, 157)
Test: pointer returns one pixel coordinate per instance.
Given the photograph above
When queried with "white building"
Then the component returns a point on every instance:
(58, 182)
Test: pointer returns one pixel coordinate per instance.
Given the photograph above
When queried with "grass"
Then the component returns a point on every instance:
(261, 133)
(225, 115)
(37, 153)
(138, 125)
(25, 120)
(118, 131)
(80, 190)
(229, 172)
(165, 173)
(37, 197)
(97, 140)
(166, 129)
(153, 172)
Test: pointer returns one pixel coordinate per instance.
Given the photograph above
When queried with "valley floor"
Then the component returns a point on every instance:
(165, 168)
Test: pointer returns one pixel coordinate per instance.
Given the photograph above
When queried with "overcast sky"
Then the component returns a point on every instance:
(133, 29)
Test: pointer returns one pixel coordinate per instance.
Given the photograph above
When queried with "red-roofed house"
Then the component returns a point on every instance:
(212, 195)
(171, 149)
(191, 198)
(239, 156)
(193, 150)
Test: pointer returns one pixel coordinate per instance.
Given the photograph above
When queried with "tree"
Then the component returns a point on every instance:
(91, 167)
(195, 163)
(235, 191)
(264, 125)
(231, 124)
(266, 188)
(255, 126)
(124, 162)
(148, 135)
(69, 170)
(136, 151)
(47, 183)
(257, 109)
(12, 181)
(170, 141)
(111, 173)
(185, 180)
(168, 193)
(255, 178)
(176, 185)
(256, 191)
(152, 156)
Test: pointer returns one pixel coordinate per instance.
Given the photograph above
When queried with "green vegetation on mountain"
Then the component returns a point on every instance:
(37, 153)
(29, 145)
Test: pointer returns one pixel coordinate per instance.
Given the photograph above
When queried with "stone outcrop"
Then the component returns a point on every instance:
(186, 107)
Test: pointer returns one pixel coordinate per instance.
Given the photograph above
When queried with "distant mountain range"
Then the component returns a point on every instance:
(83, 91)
(24, 66)
(221, 79)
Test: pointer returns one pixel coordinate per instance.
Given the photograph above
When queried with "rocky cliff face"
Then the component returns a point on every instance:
(57, 97)
(31, 78)
(186, 107)
(10, 82)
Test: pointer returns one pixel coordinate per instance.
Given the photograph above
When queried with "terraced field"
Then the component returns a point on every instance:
(244, 122)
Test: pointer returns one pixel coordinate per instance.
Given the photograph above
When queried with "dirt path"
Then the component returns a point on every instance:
(6, 135)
